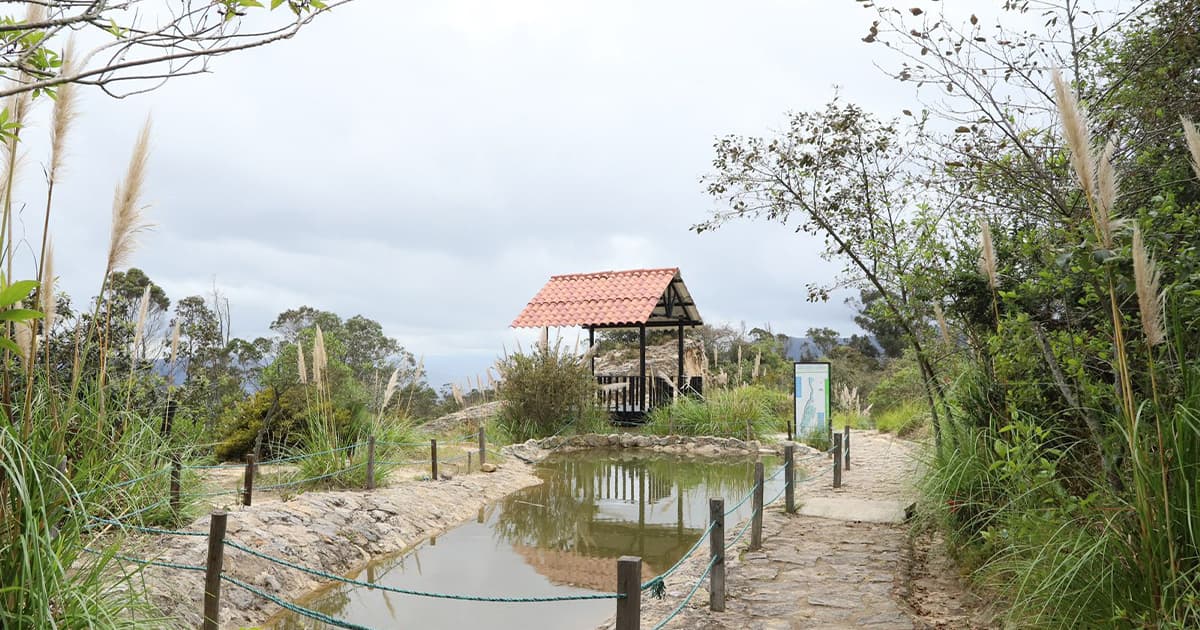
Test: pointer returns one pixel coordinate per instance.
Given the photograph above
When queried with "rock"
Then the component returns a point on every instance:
(488, 468)
(446, 476)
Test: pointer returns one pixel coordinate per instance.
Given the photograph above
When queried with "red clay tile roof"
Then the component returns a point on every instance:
(596, 299)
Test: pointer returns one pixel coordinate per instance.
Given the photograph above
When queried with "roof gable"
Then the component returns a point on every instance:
(654, 297)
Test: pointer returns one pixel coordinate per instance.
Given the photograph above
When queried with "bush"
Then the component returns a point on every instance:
(750, 412)
(904, 419)
(901, 385)
(545, 391)
(239, 427)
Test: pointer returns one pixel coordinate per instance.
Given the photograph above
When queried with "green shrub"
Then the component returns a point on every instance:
(545, 391)
(904, 419)
(901, 385)
(750, 412)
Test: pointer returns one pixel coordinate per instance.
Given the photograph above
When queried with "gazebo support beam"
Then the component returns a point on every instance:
(679, 365)
(642, 363)
(592, 347)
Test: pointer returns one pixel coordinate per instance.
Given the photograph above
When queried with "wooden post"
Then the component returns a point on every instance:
(175, 470)
(789, 478)
(846, 447)
(642, 366)
(591, 346)
(433, 458)
(629, 607)
(469, 466)
(482, 445)
(837, 460)
(371, 463)
(679, 363)
(248, 484)
(212, 571)
(757, 518)
(716, 549)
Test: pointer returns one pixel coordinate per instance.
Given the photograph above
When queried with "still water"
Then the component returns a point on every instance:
(559, 538)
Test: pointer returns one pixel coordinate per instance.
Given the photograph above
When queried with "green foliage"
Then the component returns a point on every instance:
(904, 419)
(900, 386)
(545, 391)
(275, 419)
(750, 412)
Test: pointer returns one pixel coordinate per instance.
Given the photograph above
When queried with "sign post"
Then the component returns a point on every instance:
(812, 399)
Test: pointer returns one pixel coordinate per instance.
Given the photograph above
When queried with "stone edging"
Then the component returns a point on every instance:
(533, 451)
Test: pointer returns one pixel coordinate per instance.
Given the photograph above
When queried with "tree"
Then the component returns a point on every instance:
(136, 45)
(874, 317)
(842, 174)
(826, 339)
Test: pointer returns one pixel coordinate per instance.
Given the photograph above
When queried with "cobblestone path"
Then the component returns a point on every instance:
(830, 573)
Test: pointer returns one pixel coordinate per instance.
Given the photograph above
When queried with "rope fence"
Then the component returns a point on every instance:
(628, 597)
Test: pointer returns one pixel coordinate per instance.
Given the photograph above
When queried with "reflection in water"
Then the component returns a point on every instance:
(558, 538)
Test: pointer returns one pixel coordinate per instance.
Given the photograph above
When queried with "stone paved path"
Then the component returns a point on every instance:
(826, 573)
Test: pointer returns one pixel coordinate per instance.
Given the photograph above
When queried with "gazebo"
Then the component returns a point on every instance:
(637, 298)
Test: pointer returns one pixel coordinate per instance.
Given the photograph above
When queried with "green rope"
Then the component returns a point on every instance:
(392, 589)
(695, 587)
(657, 585)
(296, 608)
(745, 527)
(144, 530)
(150, 563)
(80, 495)
(746, 498)
(144, 510)
(308, 479)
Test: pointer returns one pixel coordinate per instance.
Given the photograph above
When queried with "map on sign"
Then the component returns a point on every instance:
(812, 398)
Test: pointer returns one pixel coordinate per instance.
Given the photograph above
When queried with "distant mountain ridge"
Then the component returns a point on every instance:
(805, 349)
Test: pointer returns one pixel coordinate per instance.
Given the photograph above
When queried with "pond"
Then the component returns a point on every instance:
(558, 538)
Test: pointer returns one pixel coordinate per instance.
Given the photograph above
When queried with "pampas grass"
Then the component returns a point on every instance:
(1150, 298)
(1193, 142)
(1106, 196)
(128, 213)
(174, 345)
(139, 329)
(389, 390)
(301, 369)
(941, 320)
(1075, 130)
(987, 255)
(319, 360)
(63, 115)
(46, 291)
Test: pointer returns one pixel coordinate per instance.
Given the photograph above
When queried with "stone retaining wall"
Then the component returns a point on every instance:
(700, 446)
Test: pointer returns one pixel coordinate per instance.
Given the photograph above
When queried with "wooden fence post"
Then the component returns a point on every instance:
(248, 484)
(716, 550)
(757, 518)
(371, 463)
(212, 571)
(837, 460)
(175, 472)
(470, 466)
(433, 458)
(629, 584)
(846, 447)
(789, 478)
(482, 445)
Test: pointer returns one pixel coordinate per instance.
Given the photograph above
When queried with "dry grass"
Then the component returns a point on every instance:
(128, 214)
(987, 254)
(1075, 130)
(1150, 298)
(301, 369)
(1193, 142)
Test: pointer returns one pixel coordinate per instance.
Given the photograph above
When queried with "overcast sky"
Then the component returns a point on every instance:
(431, 164)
